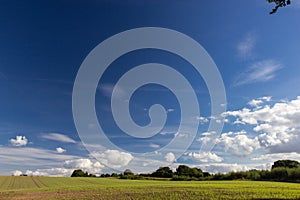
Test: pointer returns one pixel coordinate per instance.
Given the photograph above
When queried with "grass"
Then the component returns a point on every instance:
(110, 188)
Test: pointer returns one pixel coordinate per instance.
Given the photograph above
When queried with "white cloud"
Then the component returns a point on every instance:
(212, 133)
(208, 137)
(85, 164)
(107, 89)
(246, 46)
(16, 173)
(278, 125)
(170, 157)
(260, 71)
(60, 150)
(257, 103)
(202, 119)
(218, 119)
(155, 146)
(270, 158)
(238, 122)
(205, 157)
(238, 143)
(78, 163)
(266, 98)
(225, 167)
(19, 141)
(57, 172)
(113, 158)
(58, 137)
(31, 157)
(91, 166)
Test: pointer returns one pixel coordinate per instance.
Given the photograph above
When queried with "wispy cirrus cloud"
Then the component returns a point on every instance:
(31, 157)
(246, 46)
(58, 137)
(260, 71)
(107, 89)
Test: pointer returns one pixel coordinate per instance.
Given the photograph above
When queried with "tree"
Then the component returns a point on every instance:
(114, 175)
(195, 172)
(253, 175)
(80, 173)
(279, 173)
(294, 174)
(128, 172)
(183, 170)
(164, 172)
(286, 164)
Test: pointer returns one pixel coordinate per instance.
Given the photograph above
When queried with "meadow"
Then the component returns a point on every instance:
(13, 187)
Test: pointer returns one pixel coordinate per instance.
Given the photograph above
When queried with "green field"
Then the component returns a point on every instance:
(109, 188)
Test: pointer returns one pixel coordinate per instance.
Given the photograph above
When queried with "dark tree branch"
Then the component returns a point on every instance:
(279, 3)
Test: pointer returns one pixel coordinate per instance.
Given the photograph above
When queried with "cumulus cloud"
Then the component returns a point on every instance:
(257, 103)
(19, 141)
(202, 119)
(260, 71)
(16, 173)
(60, 150)
(58, 137)
(208, 137)
(205, 157)
(68, 167)
(113, 158)
(57, 172)
(170, 157)
(278, 125)
(238, 143)
(84, 164)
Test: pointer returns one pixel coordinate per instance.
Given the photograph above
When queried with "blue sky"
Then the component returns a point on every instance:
(43, 44)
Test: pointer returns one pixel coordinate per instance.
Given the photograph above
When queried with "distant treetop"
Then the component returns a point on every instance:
(286, 164)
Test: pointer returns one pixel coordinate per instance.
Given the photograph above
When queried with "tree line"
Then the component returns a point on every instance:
(281, 170)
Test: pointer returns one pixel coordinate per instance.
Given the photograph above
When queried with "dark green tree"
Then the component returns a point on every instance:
(164, 172)
(286, 164)
(253, 175)
(80, 173)
(128, 172)
(183, 170)
(279, 173)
